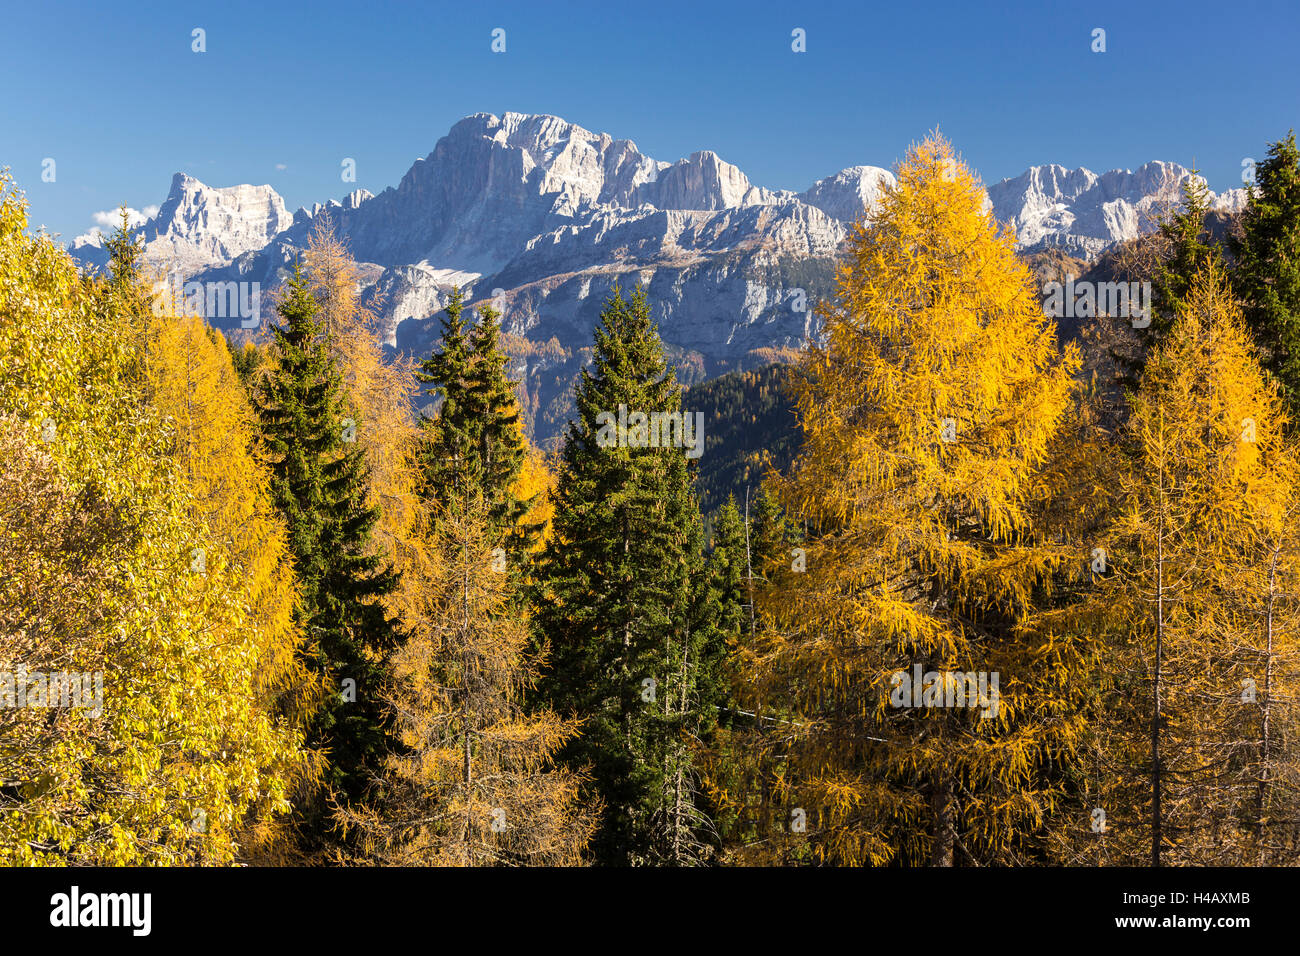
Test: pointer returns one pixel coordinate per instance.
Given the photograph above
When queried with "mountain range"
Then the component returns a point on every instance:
(548, 217)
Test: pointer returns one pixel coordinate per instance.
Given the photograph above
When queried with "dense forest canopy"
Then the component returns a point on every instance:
(983, 575)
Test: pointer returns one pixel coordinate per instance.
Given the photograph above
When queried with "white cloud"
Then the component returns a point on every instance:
(109, 218)
(281, 166)
(106, 221)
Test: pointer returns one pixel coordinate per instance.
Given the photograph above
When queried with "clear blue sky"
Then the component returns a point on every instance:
(113, 92)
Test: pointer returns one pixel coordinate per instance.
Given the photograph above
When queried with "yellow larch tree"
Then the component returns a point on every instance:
(1200, 611)
(929, 409)
(474, 784)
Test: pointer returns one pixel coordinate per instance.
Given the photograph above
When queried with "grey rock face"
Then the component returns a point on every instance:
(1083, 213)
(554, 216)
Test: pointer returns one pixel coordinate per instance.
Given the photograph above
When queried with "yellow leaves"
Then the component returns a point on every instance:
(940, 370)
(475, 756)
(1207, 418)
(1207, 512)
(148, 463)
(931, 416)
(536, 481)
(194, 387)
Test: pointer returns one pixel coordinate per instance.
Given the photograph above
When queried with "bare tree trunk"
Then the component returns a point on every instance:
(944, 836)
(1266, 756)
(465, 711)
(627, 645)
(942, 833)
(679, 796)
(1160, 635)
(749, 567)
(677, 813)
(763, 829)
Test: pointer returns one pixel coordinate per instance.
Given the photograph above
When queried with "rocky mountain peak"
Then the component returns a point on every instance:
(555, 215)
(851, 193)
(1083, 213)
(703, 181)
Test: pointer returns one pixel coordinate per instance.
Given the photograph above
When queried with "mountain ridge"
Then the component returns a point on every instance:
(554, 215)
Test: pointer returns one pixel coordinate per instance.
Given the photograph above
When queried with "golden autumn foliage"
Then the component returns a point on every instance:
(181, 756)
(534, 484)
(193, 385)
(474, 784)
(995, 613)
(928, 411)
(1197, 763)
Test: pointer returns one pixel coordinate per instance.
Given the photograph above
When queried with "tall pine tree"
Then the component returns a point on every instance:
(473, 443)
(1186, 251)
(617, 599)
(319, 484)
(1268, 264)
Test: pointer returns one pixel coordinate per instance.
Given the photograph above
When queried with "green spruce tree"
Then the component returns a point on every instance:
(474, 442)
(319, 480)
(1268, 264)
(500, 447)
(126, 284)
(1186, 253)
(729, 587)
(448, 431)
(618, 600)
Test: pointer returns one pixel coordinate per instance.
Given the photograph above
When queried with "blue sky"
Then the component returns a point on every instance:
(114, 94)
